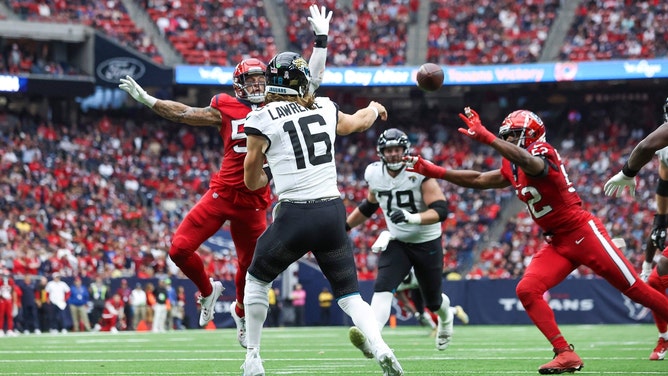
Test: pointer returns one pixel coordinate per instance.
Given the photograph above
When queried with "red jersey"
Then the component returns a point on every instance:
(231, 174)
(551, 199)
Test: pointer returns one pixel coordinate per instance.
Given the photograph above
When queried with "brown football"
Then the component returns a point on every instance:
(429, 77)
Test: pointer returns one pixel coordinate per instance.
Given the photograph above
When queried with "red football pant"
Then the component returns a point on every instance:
(108, 321)
(6, 314)
(660, 284)
(590, 246)
(203, 220)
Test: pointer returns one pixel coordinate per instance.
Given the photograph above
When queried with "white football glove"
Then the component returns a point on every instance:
(319, 22)
(646, 271)
(381, 242)
(615, 186)
(137, 92)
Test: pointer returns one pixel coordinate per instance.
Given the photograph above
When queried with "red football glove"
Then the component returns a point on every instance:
(424, 167)
(476, 130)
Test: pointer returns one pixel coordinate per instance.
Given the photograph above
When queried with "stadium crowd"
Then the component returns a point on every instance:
(375, 33)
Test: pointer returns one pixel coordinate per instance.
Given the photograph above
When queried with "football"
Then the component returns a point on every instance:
(429, 77)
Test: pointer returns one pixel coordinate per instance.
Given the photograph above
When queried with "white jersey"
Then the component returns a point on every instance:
(403, 191)
(301, 147)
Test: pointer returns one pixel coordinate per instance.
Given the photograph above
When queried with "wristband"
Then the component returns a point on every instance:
(347, 227)
(660, 220)
(375, 110)
(321, 41)
(628, 172)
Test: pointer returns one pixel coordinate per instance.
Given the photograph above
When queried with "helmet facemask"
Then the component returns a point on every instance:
(393, 138)
(248, 80)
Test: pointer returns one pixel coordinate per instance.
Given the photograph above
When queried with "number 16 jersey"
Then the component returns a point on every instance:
(301, 147)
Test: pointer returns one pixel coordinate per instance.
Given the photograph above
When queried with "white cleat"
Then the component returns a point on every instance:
(208, 303)
(388, 362)
(461, 315)
(358, 339)
(253, 364)
(444, 334)
(241, 325)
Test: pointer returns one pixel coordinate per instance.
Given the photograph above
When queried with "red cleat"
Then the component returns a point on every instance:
(660, 350)
(565, 360)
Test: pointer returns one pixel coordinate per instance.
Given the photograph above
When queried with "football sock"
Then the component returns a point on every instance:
(444, 312)
(256, 303)
(362, 315)
(381, 304)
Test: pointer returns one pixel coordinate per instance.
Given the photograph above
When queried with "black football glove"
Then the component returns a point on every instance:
(658, 235)
(398, 216)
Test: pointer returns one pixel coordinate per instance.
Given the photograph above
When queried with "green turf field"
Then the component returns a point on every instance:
(475, 350)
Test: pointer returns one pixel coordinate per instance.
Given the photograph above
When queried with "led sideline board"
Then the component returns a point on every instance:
(457, 75)
(13, 84)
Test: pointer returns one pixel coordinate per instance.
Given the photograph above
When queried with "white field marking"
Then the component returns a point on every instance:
(332, 372)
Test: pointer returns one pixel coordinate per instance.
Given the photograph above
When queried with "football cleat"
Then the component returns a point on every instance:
(461, 315)
(208, 303)
(659, 352)
(444, 333)
(253, 364)
(241, 325)
(565, 360)
(388, 362)
(358, 339)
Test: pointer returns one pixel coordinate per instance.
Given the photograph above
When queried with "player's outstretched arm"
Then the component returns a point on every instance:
(361, 120)
(171, 110)
(464, 178)
(319, 21)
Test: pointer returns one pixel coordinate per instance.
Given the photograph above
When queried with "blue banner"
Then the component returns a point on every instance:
(457, 75)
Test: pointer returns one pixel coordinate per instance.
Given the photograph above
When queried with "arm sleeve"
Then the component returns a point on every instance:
(316, 65)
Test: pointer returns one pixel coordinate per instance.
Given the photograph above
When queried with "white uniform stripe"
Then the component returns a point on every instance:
(609, 248)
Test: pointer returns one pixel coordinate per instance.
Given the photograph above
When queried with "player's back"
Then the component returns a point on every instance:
(301, 147)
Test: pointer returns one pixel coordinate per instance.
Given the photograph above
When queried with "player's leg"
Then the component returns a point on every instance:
(660, 284)
(393, 266)
(606, 260)
(546, 270)
(427, 259)
(201, 222)
(245, 228)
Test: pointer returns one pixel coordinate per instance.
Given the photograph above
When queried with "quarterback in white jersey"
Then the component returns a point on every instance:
(295, 133)
(414, 207)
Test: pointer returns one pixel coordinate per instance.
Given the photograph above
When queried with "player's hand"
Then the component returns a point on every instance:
(658, 234)
(319, 22)
(402, 216)
(381, 242)
(423, 167)
(137, 92)
(382, 112)
(646, 271)
(615, 186)
(475, 130)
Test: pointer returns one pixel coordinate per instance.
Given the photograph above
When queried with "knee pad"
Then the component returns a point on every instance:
(256, 291)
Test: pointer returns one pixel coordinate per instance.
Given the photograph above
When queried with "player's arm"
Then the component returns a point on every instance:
(463, 178)
(363, 211)
(361, 120)
(437, 210)
(254, 175)
(172, 110)
(319, 21)
(645, 150)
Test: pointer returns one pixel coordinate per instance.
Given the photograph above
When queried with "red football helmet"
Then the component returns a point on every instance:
(524, 127)
(245, 69)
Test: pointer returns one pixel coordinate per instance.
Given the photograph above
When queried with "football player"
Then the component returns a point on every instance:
(534, 169)
(414, 207)
(227, 197)
(295, 132)
(657, 277)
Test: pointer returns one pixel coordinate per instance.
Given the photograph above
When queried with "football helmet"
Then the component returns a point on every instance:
(524, 127)
(393, 137)
(243, 89)
(288, 74)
